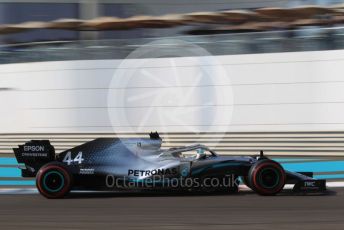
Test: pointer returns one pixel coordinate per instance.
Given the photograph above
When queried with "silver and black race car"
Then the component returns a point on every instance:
(141, 164)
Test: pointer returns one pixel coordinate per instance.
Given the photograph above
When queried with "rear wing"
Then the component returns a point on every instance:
(33, 155)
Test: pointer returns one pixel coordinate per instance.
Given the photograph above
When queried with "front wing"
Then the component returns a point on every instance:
(304, 182)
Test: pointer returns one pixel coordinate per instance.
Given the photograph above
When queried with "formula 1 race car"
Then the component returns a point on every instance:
(141, 164)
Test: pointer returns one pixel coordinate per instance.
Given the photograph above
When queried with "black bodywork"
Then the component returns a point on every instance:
(95, 165)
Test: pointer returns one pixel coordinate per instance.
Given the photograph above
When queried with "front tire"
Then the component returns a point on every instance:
(53, 180)
(266, 177)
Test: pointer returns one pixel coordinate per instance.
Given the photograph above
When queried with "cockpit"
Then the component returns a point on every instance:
(189, 153)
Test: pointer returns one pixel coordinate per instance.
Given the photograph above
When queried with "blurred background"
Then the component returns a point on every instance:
(239, 76)
(84, 26)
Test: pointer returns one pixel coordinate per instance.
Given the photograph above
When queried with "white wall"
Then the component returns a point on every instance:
(260, 92)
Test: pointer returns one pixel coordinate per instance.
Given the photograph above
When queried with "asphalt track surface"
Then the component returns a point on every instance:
(245, 210)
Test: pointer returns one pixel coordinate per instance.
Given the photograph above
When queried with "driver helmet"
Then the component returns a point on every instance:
(200, 153)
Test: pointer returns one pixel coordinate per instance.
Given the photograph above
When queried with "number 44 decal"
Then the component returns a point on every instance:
(68, 158)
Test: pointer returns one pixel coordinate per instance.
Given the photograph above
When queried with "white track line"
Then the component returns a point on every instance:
(11, 191)
(337, 184)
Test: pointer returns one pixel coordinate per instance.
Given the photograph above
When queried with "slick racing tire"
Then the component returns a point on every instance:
(266, 177)
(53, 180)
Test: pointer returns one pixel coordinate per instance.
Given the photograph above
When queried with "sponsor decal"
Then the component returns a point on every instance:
(88, 171)
(34, 154)
(138, 172)
(184, 170)
(309, 184)
(32, 148)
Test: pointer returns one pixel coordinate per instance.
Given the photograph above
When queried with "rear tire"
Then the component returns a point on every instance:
(53, 180)
(266, 177)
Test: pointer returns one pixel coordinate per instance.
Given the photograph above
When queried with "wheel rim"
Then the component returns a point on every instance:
(269, 178)
(53, 181)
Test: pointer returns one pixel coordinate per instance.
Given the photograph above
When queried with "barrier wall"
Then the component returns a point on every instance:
(242, 143)
(257, 93)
